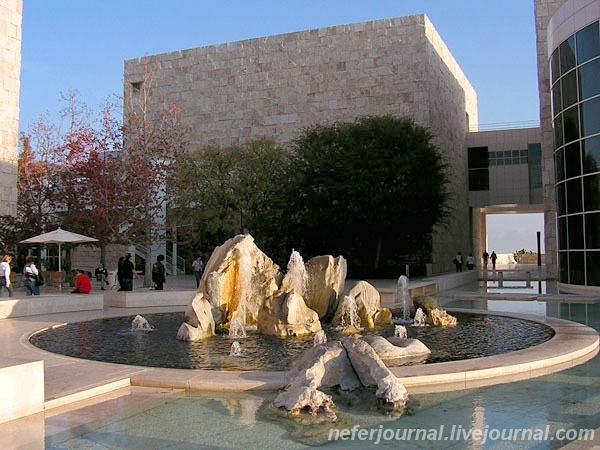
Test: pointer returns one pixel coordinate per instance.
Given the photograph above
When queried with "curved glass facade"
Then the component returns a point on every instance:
(575, 77)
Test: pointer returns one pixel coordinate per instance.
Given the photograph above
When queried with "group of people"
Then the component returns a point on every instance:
(458, 260)
(32, 276)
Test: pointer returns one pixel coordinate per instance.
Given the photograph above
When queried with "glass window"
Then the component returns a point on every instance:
(588, 43)
(590, 117)
(479, 180)
(558, 131)
(593, 268)
(556, 102)
(575, 224)
(574, 196)
(561, 203)
(571, 124)
(572, 160)
(591, 154)
(576, 268)
(555, 66)
(569, 89)
(589, 79)
(592, 236)
(562, 233)
(560, 165)
(564, 267)
(591, 194)
(478, 157)
(567, 55)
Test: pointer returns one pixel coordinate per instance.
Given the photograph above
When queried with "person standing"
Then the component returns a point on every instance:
(120, 273)
(458, 262)
(470, 261)
(101, 275)
(159, 273)
(198, 266)
(485, 257)
(494, 257)
(30, 277)
(5, 275)
(129, 273)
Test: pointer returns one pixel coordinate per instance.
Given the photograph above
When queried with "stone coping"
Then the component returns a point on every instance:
(572, 344)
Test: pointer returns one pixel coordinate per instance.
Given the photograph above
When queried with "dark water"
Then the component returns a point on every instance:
(111, 340)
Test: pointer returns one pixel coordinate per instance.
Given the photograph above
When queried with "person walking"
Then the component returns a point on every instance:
(486, 257)
(494, 258)
(159, 273)
(458, 262)
(5, 275)
(101, 275)
(31, 278)
(129, 273)
(470, 261)
(198, 266)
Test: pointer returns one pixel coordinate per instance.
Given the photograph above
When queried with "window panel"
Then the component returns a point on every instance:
(591, 194)
(558, 131)
(569, 89)
(567, 55)
(589, 79)
(575, 224)
(571, 124)
(591, 154)
(560, 164)
(563, 234)
(556, 100)
(555, 65)
(593, 268)
(576, 268)
(592, 231)
(563, 267)
(561, 202)
(574, 196)
(573, 160)
(478, 157)
(590, 117)
(588, 43)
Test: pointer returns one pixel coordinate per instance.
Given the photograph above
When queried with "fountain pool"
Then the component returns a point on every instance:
(111, 340)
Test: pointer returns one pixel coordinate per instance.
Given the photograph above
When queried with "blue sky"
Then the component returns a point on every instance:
(81, 44)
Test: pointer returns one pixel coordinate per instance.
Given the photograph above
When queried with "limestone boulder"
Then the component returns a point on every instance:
(426, 303)
(372, 371)
(199, 322)
(368, 303)
(440, 318)
(326, 279)
(286, 314)
(398, 351)
(238, 277)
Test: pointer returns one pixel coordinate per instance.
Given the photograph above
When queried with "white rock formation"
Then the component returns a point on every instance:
(199, 322)
(396, 351)
(326, 278)
(368, 302)
(286, 314)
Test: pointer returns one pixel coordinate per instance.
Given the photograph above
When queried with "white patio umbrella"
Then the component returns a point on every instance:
(59, 236)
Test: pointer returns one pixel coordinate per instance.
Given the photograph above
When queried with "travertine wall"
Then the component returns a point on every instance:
(277, 85)
(11, 12)
(544, 10)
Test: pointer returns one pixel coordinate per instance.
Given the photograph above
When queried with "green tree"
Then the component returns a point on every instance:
(223, 191)
(371, 190)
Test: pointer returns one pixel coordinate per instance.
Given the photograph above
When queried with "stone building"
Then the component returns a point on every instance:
(276, 85)
(11, 13)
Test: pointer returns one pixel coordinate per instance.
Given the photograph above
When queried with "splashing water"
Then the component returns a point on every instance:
(348, 314)
(237, 330)
(403, 296)
(236, 349)
(400, 331)
(297, 274)
(419, 318)
(141, 324)
(320, 337)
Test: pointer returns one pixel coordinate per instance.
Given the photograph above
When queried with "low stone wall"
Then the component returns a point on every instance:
(21, 388)
(50, 304)
(138, 299)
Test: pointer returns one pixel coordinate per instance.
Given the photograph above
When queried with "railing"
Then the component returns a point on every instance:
(504, 126)
(140, 250)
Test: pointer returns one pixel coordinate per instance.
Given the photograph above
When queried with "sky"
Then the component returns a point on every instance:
(80, 45)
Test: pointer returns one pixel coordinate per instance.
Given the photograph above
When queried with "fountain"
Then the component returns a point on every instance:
(346, 317)
(403, 297)
(320, 337)
(141, 324)
(420, 317)
(236, 349)
(400, 331)
(237, 329)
